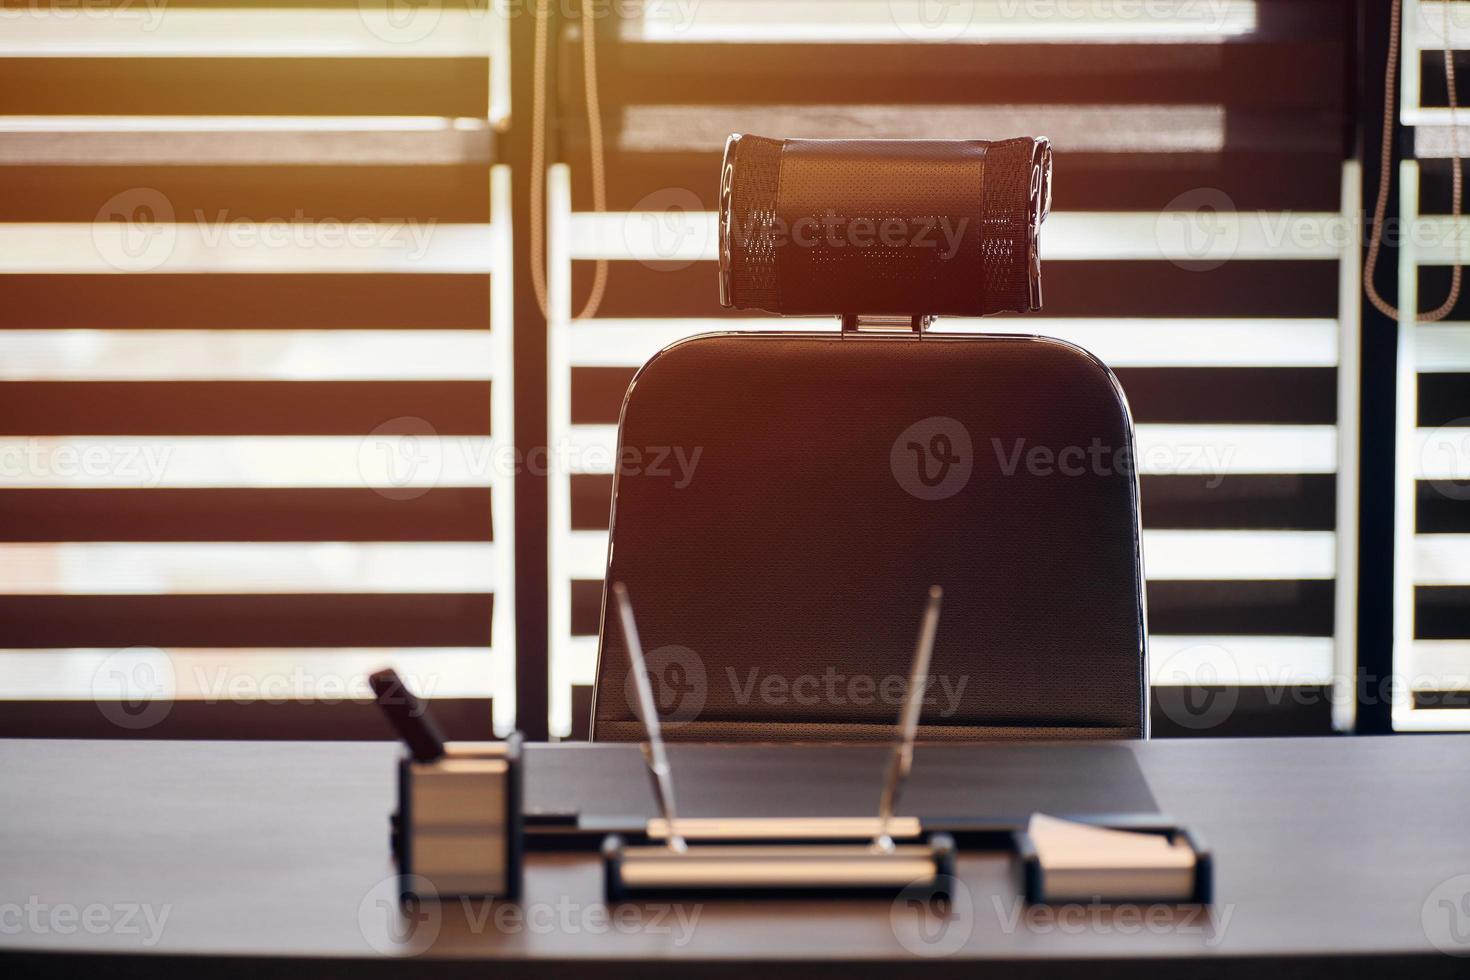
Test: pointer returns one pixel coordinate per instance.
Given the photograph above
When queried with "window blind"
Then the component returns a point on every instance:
(1431, 662)
(1199, 244)
(255, 392)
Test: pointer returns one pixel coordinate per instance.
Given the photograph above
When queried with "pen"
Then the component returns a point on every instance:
(902, 758)
(654, 756)
(408, 715)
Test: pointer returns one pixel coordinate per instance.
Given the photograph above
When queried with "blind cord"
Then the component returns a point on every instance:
(538, 154)
(1385, 161)
(594, 140)
(537, 230)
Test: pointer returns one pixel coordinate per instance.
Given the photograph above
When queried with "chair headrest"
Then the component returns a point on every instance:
(897, 227)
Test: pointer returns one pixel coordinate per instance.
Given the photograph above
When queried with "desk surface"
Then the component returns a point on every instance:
(1328, 850)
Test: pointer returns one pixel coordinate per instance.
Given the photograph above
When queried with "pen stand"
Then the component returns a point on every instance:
(458, 825)
(795, 863)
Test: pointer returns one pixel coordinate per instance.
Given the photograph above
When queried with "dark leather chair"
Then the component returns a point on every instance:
(830, 478)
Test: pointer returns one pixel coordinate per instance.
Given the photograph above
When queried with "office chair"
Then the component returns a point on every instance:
(836, 475)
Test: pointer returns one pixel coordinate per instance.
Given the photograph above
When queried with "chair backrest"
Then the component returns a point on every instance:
(784, 500)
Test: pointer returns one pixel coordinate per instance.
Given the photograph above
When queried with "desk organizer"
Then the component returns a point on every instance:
(816, 867)
(1128, 885)
(458, 825)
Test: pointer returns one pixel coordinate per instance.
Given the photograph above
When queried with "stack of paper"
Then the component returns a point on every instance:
(1080, 862)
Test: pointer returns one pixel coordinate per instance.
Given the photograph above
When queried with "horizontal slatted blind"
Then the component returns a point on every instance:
(1432, 574)
(1197, 245)
(255, 398)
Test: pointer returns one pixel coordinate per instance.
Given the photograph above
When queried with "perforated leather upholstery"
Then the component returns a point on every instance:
(880, 226)
(802, 541)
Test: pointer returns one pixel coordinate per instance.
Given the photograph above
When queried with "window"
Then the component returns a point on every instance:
(255, 357)
(261, 353)
(1431, 660)
(1196, 244)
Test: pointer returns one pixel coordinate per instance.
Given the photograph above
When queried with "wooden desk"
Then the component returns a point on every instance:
(1335, 857)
